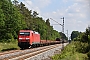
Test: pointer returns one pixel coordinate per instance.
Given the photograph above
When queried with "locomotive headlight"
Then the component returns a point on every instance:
(27, 38)
(20, 38)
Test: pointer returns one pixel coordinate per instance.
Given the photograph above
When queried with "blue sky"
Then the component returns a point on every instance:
(76, 12)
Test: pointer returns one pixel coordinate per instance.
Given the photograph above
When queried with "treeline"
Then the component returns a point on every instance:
(14, 16)
(81, 36)
(82, 41)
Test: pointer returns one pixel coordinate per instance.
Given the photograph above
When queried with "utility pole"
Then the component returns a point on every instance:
(63, 25)
(63, 33)
(67, 34)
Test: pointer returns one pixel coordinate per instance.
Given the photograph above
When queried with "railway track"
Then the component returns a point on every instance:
(25, 54)
(7, 52)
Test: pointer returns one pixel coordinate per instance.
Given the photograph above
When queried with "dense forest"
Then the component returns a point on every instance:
(14, 16)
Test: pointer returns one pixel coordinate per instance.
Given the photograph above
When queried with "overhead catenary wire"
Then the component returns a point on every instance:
(56, 21)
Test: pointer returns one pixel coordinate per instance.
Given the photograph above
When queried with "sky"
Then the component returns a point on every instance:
(76, 13)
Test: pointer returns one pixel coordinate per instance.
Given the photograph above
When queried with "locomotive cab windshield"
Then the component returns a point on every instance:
(25, 33)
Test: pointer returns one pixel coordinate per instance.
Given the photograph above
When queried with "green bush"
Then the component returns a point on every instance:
(81, 47)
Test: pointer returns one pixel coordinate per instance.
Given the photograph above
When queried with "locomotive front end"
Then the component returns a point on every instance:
(24, 39)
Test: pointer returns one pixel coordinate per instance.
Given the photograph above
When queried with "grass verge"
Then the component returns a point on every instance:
(5, 46)
(70, 53)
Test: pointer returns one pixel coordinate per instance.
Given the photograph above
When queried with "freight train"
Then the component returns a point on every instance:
(27, 38)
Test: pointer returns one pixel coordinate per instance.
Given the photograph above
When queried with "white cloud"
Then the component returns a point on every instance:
(43, 3)
(65, 1)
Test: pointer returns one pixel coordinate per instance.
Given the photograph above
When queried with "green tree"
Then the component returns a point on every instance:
(63, 36)
(47, 22)
(74, 34)
(85, 36)
(12, 20)
(15, 2)
(35, 14)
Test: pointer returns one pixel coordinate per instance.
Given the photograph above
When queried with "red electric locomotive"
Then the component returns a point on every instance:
(27, 38)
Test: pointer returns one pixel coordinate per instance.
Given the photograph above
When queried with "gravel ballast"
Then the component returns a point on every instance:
(46, 55)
